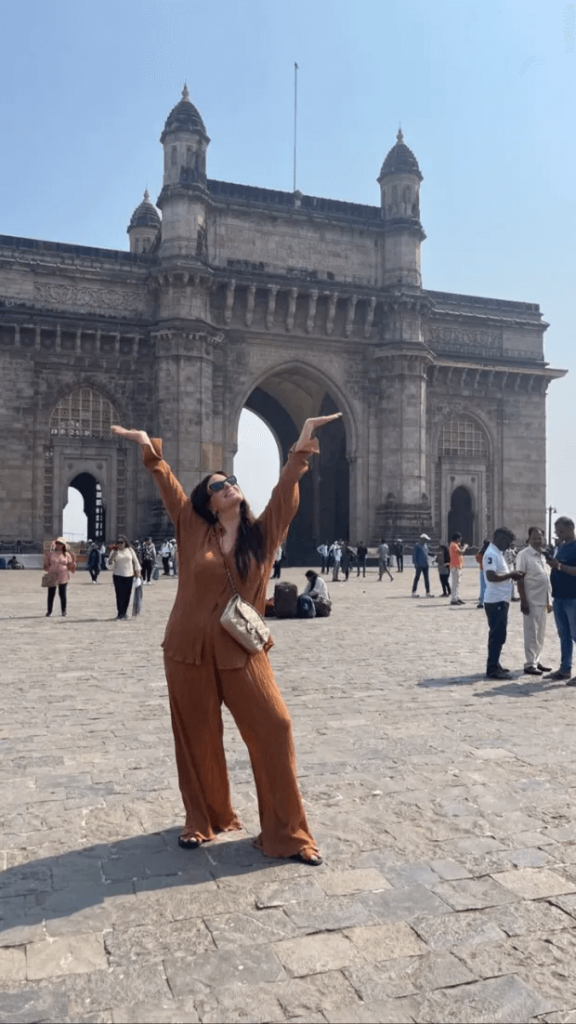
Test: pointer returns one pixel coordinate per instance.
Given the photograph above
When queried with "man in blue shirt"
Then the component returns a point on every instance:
(420, 560)
(563, 578)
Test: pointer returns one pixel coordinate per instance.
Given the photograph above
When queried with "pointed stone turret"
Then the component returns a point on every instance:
(144, 226)
(183, 196)
(399, 181)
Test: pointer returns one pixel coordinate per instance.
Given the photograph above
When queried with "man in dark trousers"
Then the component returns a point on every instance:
(497, 597)
(398, 551)
(361, 552)
(563, 578)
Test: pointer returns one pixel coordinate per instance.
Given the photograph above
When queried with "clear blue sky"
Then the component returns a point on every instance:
(484, 92)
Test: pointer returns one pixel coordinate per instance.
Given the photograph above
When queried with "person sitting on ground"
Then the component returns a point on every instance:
(13, 563)
(316, 589)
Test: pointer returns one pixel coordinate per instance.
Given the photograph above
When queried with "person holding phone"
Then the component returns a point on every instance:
(563, 579)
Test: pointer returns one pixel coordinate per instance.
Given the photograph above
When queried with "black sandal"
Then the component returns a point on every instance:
(188, 844)
(313, 860)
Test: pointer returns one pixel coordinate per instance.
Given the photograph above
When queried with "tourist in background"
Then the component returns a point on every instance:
(499, 584)
(336, 553)
(346, 558)
(383, 559)
(361, 553)
(399, 555)
(563, 580)
(94, 562)
(277, 565)
(421, 565)
(60, 562)
(535, 594)
(457, 551)
(443, 563)
(165, 555)
(479, 558)
(125, 566)
(148, 560)
(316, 589)
(323, 552)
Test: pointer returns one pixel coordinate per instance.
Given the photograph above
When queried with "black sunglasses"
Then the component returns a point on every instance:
(219, 485)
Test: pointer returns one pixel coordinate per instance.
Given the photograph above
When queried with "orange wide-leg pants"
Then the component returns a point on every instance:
(197, 693)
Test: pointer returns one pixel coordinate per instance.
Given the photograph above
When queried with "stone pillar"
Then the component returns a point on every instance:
(184, 380)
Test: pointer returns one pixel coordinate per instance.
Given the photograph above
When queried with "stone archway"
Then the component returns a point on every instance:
(461, 515)
(284, 400)
(94, 507)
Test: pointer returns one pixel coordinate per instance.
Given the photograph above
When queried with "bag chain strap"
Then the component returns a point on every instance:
(226, 566)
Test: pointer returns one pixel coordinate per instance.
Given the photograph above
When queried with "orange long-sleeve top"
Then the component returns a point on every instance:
(194, 629)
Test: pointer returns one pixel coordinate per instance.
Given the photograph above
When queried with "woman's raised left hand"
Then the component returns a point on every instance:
(312, 424)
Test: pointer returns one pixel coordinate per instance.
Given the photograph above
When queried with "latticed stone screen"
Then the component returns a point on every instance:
(83, 413)
(462, 437)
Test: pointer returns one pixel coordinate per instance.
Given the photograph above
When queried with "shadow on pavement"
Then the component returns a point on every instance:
(59, 886)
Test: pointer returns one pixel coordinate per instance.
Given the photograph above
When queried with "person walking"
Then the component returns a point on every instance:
(277, 564)
(480, 558)
(60, 562)
(336, 553)
(323, 552)
(148, 560)
(535, 594)
(457, 552)
(383, 558)
(399, 555)
(563, 579)
(94, 562)
(346, 559)
(361, 553)
(497, 597)
(443, 563)
(165, 555)
(421, 565)
(219, 540)
(125, 566)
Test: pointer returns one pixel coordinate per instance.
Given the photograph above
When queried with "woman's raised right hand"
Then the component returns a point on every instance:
(138, 436)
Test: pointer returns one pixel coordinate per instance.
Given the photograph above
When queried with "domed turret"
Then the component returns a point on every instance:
(399, 181)
(185, 142)
(144, 226)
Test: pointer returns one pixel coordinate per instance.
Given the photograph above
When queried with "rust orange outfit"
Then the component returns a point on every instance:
(206, 667)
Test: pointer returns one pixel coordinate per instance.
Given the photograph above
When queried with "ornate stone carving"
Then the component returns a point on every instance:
(229, 303)
(312, 300)
(250, 300)
(331, 312)
(369, 317)
(98, 300)
(458, 339)
(271, 309)
(293, 296)
(350, 311)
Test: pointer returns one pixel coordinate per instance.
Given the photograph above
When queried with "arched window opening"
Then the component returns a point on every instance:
(257, 461)
(83, 413)
(464, 438)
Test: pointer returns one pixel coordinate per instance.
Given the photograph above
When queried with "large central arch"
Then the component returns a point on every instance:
(284, 398)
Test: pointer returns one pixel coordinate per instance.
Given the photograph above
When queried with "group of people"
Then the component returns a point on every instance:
(339, 557)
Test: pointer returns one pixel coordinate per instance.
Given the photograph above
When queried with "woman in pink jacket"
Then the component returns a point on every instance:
(61, 562)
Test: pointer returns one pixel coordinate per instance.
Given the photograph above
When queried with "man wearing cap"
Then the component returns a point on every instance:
(420, 560)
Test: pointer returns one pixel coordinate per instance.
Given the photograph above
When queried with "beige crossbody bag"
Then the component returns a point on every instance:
(241, 620)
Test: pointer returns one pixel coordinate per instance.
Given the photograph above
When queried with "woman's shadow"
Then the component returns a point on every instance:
(66, 884)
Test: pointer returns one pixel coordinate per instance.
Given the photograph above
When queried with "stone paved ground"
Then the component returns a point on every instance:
(443, 803)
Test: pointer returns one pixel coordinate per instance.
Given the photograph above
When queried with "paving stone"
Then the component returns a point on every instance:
(316, 993)
(245, 965)
(403, 904)
(384, 1011)
(449, 869)
(31, 1003)
(461, 929)
(170, 1011)
(530, 916)
(78, 954)
(101, 990)
(386, 941)
(250, 928)
(533, 883)
(12, 965)
(473, 893)
(314, 954)
(153, 942)
(238, 1004)
(504, 1000)
(331, 914)
(341, 883)
(407, 975)
(278, 895)
(410, 874)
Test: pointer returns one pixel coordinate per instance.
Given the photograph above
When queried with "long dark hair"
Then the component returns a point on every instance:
(250, 539)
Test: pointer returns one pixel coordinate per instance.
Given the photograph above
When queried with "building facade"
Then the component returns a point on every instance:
(243, 297)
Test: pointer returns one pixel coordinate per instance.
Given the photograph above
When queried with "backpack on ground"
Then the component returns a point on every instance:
(286, 600)
(323, 608)
(306, 609)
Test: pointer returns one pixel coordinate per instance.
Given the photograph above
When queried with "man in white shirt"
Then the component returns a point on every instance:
(497, 597)
(535, 600)
(323, 552)
(336, 552)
